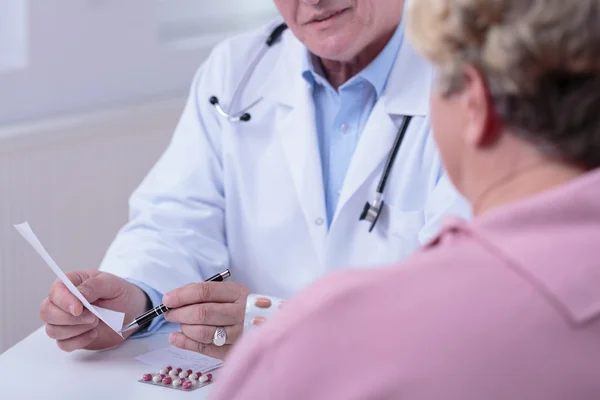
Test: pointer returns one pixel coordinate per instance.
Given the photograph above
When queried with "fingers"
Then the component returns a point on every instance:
(215, 314)
(77, 342)
(204, 333)
(214, 292)
(76, 277)
(61, 297)
(180, 340)
(101, 286)
(63, 326)
(52, 314)
(92, 286)
(64, 332)
(67, 321)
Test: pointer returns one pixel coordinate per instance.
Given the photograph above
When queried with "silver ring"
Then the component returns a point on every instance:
(220, 337)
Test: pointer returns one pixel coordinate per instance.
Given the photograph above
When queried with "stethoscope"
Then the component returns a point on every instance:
(243, 115)
(371, 211)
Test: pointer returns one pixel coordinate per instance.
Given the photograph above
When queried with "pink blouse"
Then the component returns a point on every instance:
(506, 307)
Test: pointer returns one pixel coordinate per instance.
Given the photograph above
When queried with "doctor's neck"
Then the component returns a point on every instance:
(339, 72)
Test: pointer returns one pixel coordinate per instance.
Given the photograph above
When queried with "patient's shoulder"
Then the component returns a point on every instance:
(450, 311)
(453, 261)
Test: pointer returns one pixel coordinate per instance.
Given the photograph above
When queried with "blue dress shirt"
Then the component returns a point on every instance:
(341, 115)
(340, 118)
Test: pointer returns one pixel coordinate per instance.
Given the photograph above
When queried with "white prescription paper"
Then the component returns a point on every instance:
(179, 358)
(113, 319)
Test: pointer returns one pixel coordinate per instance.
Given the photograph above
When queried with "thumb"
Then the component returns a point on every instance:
(101, 286)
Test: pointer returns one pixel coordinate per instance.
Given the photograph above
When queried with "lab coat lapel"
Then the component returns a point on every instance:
(406, 94)
(371, 151)
(296, 129)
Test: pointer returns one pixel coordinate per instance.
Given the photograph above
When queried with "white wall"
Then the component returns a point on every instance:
(84, 54)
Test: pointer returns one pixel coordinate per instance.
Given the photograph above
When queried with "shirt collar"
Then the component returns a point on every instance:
(376, 73)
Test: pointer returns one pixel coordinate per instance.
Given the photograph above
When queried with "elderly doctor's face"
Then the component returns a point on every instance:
(341, 29)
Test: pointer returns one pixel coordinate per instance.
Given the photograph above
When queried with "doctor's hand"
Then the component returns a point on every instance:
(202, 307)
(73, 326)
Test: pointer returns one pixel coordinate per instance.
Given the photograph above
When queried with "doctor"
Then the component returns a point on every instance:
(275, 171)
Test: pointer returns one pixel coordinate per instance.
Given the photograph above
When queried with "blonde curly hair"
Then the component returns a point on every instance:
(540, 59)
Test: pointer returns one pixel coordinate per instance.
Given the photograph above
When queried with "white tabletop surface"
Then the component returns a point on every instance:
(36, 368)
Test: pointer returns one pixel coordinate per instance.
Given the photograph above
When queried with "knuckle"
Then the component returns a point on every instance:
(201, 313)
(180, 297)
(175, 298)
(56, 284)
(44, 310)
(240, 313)
(84, 290)
(199, 347)
(57, 297)
(205, 291)
(202, 334)
(207, 335)
(53, 294)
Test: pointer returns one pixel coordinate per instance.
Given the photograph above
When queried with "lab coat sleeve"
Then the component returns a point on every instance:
(176, 229)
(156, 300)
(444, 201)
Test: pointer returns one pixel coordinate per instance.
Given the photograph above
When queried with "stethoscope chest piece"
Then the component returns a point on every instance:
(371, 212)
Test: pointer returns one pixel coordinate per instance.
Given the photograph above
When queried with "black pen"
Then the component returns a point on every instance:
(161, 309)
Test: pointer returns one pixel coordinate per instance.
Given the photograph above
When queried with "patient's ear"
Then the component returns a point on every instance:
(481, 128)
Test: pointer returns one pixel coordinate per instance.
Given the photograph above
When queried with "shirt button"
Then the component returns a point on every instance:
(319, 221)
(344, 128)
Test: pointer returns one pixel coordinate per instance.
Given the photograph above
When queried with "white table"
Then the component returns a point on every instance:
(104, 375)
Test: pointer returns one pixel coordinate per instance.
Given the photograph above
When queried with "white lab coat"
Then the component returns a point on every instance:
(248, 196)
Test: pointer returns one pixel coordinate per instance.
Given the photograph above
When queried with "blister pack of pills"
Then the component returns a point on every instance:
(178, 378)
(259, 308)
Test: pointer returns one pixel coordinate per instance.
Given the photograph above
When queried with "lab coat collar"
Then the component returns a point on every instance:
(286, 79)
(406, 93)
(410, 83)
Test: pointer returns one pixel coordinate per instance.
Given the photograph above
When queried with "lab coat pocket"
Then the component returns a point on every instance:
(401, 230)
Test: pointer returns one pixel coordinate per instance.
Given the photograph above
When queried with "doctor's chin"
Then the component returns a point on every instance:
(300, 199)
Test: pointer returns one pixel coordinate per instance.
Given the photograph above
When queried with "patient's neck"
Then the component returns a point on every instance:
(522, 182)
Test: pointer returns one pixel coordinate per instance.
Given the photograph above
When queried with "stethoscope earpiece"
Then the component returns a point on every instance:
(215, 102)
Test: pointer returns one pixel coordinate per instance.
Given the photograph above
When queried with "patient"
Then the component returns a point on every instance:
(505, 307)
